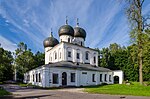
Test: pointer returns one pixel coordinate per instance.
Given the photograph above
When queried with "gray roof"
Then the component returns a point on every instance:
(79, 32)
(65, 64)
(66, 30)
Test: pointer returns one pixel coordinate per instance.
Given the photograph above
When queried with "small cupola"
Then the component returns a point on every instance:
(50, 41)
(79, 32)
(66, 29)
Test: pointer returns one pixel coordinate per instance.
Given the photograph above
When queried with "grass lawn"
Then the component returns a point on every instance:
(4, 92)
(136, 89)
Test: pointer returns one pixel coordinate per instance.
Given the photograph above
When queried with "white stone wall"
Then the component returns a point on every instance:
(81, 79)
(78, 41)
(65, 38)
(62, 54)
(120, 74)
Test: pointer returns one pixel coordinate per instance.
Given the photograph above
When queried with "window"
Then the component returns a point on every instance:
(61, 40)
(36, 77)
(86, 56)
(93, 77)
(105, 77)
(110, 78)
(55, 55)
(69, 54)
(39, 77)
(100, 77)
(94, 59)
(72, 77)
(78, 55)
(55, 78)
(84, 72)
(33, 77)
(81, 44)
(69, 40)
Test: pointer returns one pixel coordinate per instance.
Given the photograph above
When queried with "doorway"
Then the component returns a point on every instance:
(64, 78)
(116, 79)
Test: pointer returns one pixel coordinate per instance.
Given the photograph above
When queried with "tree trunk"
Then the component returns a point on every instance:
(140, 47)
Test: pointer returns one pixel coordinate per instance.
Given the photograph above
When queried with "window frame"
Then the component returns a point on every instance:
(55, 78)
(73, 77)
(105, 77)
(39, 77)
(94, 59)
(86, 55)
(93, 78)
(101, 78)
(69, 54)
(78, 55)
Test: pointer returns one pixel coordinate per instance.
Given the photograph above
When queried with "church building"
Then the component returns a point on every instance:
(68, 62)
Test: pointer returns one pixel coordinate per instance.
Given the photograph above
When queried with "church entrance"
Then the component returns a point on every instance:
(64, 78)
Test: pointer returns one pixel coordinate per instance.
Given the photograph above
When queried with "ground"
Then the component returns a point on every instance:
(67, 93)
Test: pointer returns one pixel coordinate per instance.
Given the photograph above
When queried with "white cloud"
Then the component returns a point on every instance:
(7, 45)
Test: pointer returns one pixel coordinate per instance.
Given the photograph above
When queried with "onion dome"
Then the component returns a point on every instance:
(50, 41)
(79, 32)
(66, 29)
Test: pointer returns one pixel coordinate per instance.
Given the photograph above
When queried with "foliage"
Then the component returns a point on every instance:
(138, 26)
(23, 61)
(6, 67)
(4, 92)
(121, 89)
(26, 60)
(116, 57)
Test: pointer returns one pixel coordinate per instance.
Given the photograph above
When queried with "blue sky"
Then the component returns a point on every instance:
(30, 21)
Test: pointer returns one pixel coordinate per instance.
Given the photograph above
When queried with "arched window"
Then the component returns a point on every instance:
(55, 55)
(69, 40)
(86, 55)
(94, 59)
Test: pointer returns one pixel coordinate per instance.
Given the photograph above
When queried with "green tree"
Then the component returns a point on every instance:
(6, 67)
(134, 13)
(24, 60)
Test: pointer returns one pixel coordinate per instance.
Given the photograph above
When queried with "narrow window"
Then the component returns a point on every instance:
(100, 77)
(69, 54)
(55, 78)
(106, 77)
(69, 40)
(110, 78)
(86, 56)
(72, 77)
(39, 77)
(93, 77)
(61, 40)
(81, 44)
(55, 55)
(94, 59)
(84, 72)
(78, 55)
(33, 77)
(36, 77)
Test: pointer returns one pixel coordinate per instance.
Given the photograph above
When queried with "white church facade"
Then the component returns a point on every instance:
(69, 63)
